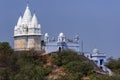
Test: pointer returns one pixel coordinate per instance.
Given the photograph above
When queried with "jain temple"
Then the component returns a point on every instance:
(27, 32)
(27, 36)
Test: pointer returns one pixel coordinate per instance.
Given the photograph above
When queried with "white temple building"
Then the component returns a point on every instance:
(61, 43)
(27, 32)
(97, 57)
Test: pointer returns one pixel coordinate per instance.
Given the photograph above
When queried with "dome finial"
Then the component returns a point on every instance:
(28, 4)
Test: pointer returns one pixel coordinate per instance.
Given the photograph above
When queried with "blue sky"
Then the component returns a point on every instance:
(96, 21)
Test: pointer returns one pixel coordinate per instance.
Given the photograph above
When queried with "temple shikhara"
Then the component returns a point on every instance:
(27, 32)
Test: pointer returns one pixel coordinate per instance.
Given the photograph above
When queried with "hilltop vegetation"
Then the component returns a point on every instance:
(114, 65)
(65, 65)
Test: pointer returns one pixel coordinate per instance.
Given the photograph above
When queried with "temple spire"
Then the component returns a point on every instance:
(34, 20)
(27, 24)
(19, 21)
(27, 15)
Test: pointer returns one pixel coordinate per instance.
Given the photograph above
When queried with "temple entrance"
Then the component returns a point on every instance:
(60, 49)
(101, 61)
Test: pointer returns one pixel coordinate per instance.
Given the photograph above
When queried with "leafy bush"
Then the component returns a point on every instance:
(104, 77)
(76, 66)
(114, 64)
(73, 76)
(29, 72)
(65, 57)
(73, 67)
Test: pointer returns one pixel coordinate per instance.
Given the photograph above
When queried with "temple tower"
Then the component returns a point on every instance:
(27, 32)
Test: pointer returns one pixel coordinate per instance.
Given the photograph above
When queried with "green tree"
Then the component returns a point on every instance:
(5, 48)
(5, 53)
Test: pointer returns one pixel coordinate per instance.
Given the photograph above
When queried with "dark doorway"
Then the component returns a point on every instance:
(60, 49)
(101, 61)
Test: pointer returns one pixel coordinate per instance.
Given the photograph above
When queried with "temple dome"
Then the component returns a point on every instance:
(95, 50)
(46, 35)
(61, 35)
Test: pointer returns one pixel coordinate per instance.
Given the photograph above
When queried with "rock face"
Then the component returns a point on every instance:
(27, 32)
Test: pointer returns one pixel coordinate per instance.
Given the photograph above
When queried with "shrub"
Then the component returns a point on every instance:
(76, 66)
(73, 76)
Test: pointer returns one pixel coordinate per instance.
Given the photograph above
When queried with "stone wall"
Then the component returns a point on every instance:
(20, 43)
(27, 43)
